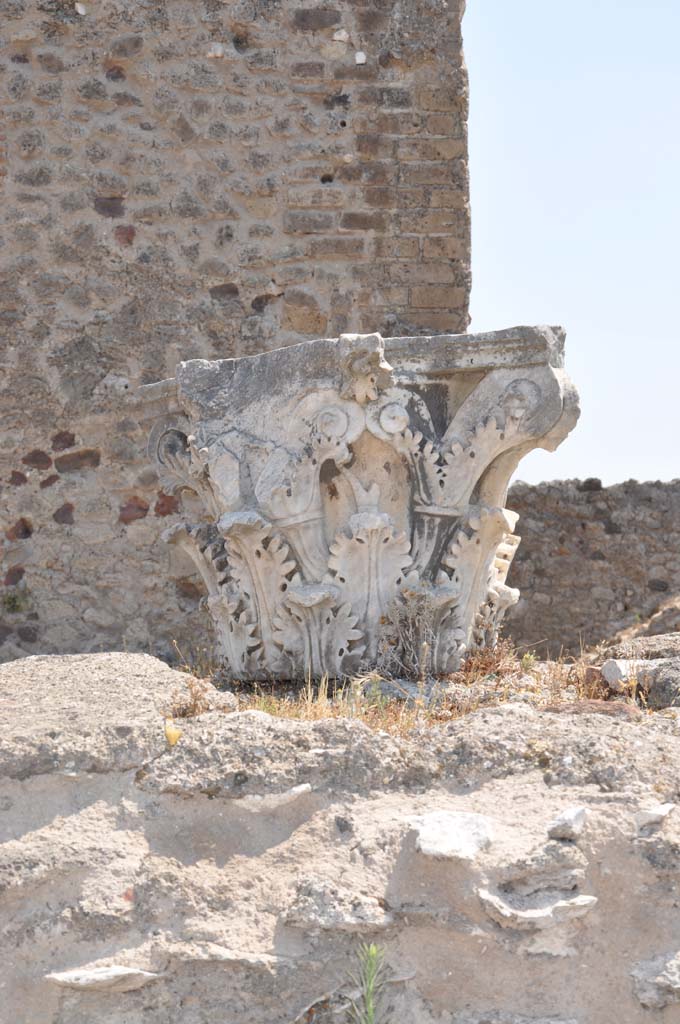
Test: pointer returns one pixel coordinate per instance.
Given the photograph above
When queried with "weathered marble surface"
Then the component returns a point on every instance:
(344, 498)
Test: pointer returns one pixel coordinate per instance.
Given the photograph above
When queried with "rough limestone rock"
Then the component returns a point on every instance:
(645, 647)
(569, 824)
(234, 874)
(657, 982)
(87, 712)
(104, 979)
(452, 835)
(648, 817)
(657, 678)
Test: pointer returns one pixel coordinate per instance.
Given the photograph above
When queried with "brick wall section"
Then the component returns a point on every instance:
(594, 561)
(196, 178)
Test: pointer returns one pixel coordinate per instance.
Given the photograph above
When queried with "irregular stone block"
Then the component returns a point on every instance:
(452, 835)
(657, 982)
(657, 678)
(111, 979)
(535, 918)
(650, 816)
(353, 484)
(569, 824)
(322, 906)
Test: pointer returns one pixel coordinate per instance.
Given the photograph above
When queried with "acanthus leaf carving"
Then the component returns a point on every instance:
(369, 565)
(260, 569)
(345, 478)
(184, 467)
(318, 634)
(471, 564)
(234, 619)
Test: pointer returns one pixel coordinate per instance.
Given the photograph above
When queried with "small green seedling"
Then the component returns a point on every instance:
(370, 981)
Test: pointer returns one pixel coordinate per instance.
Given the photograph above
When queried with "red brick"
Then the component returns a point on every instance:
(14, 575)
(449, 247)
(431, 149)
(62, 440)
(396, 248)
(363, 221)
(124, 234)
(383, 296)
(376, 146)
(356, 73)
(425, 222)
(317, 19)
(441, 97)
(426, 174)
(438, 322)
(410, 198)
(64, 514)
(21, 530)
(307, 69)
(307, 222)
(437, 296)
(368, 173)
(109, 206)
(423, 273)
(323, 197)
(384, 198)
(405, 123)
(338, 247)
(369, 273)
(301, 172)
(452, 125)
(166, 504)
(186, 588)
(49, 481)
(37, 459)
(372, 20)
(134, 508)
(391, 97)
(84, 458)
(448, 198)
(17, 478)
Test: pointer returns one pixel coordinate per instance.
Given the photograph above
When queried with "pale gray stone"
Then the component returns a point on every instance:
(114, 978)
(648, 817)
(452, 835)
(350, 484)
(657, 982)
(569, 824)
(535, 918)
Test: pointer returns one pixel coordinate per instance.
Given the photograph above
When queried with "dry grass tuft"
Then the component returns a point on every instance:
(193, 699)
(487, 678)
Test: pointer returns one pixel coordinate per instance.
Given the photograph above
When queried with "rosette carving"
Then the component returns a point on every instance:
(353, 485)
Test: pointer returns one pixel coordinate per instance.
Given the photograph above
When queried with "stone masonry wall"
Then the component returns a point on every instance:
(195, 178)
(594, 562)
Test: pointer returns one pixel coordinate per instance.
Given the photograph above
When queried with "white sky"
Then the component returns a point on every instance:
(575, 168)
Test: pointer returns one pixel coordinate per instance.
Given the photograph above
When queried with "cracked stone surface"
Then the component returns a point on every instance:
(346, 491)
(230, 878)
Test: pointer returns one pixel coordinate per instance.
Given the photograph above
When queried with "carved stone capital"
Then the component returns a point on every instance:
(348, 494)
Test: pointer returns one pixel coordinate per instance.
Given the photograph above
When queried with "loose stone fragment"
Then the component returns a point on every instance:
(569, 824)
(535, 918)
(452, 835)
(110, 979)
(657, 982)
(650, 816)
